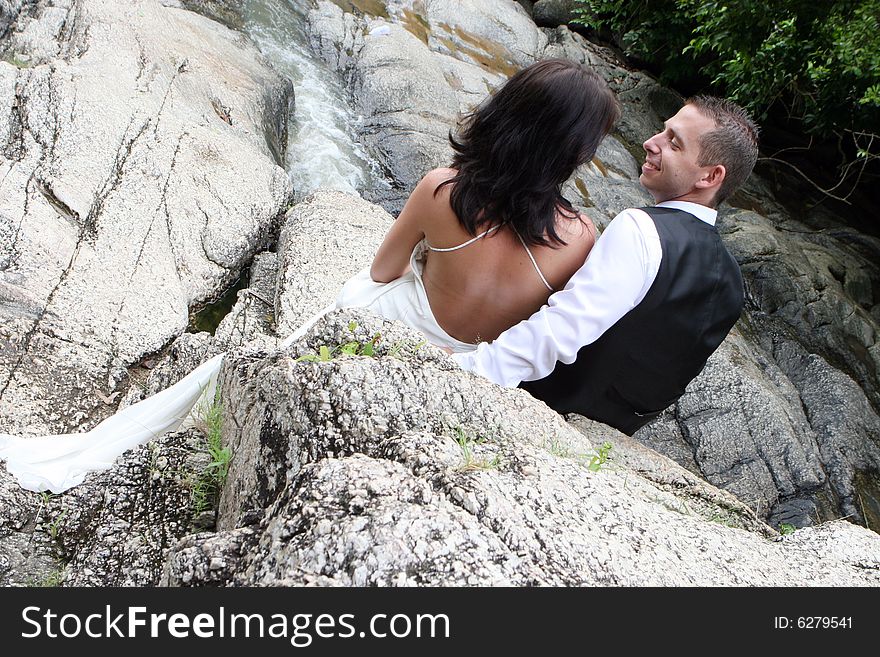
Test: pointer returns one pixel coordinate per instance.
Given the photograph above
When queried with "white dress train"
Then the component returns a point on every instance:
(60, 462)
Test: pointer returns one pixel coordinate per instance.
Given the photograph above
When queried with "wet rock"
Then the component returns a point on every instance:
(141, 152)
(412, 73)
(227, 12)
(551, 13)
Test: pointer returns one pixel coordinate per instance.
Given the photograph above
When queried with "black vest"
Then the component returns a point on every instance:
(643, 363)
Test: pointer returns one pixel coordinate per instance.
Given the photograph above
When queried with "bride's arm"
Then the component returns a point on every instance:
(392, 258)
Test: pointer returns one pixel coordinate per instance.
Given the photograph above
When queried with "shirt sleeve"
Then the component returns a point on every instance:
(614, 279)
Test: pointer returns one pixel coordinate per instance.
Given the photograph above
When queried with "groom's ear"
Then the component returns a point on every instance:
(712, 177)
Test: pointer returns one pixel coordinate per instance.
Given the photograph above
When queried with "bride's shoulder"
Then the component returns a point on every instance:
(436, 177)
(578, 229)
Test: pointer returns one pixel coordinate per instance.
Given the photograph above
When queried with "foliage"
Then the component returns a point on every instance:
(206, 486)
(351, 348)
(51, 579)
(358, 348)
(467, 444)
(815, 63)
(786, 529)
(599, 459)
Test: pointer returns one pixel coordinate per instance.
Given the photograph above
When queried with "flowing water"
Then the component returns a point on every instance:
(323, 150)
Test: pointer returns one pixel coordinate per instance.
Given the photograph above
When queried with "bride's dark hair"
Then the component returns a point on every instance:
(516, 149)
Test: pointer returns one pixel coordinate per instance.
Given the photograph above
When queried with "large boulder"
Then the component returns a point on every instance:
(116, 527)
(140, 157)
(398, 469)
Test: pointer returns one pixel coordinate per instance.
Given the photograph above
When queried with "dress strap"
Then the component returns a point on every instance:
(470, 241)
(534, 263)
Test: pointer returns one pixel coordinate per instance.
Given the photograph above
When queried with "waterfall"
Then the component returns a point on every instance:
(323, 150)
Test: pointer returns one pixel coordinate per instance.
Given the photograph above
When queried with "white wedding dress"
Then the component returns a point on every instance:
(57, 463)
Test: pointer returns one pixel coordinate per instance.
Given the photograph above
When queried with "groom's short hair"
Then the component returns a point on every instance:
(733, 143)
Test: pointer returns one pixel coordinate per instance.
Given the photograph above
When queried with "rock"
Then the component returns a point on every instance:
(703, 499)
(252, 318)
(116, 527)
(412, 72)
(228, 12)
(327, 238)
(8, 14)
(184, 355)
(28, 556)
(141, 152)
(405, 471)
(743, 427)
(528, 5)
(645, 103)
(552, 13)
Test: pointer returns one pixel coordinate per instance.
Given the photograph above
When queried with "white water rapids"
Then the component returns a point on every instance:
(322, 150)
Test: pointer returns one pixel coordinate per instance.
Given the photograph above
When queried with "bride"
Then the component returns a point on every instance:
(477, 248)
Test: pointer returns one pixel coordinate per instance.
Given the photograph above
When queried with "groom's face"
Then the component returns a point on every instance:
(670, 171)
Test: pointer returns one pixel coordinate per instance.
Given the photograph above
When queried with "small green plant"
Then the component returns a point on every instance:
(599, 459)
(207, 484)
(725, 517)
(49, 580)
(785, 529)
(402, 345)
(469, 460)
(557, 448)
(55, 524)
(350, 348)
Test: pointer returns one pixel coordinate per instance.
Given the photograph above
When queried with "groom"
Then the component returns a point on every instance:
(657, 294)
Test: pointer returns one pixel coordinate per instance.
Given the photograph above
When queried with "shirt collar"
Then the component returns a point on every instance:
(701, 212)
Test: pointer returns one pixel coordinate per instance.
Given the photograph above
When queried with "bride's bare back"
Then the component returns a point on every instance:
(478, 291)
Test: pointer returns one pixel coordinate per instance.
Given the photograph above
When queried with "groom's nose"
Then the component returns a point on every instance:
(650, 145)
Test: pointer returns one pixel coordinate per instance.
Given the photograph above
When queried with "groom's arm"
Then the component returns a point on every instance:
(615, 278)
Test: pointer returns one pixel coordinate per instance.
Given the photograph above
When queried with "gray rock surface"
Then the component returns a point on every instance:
(401, 470)
(227, 12)
(155, 374)
(139, 170)
(252, 318)
(8, 14)
(114, 529)
(645, 103)
(551, 13)
(326, 239)
(28, 555)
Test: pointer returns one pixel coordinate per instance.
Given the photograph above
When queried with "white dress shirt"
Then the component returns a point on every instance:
(616, 276)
